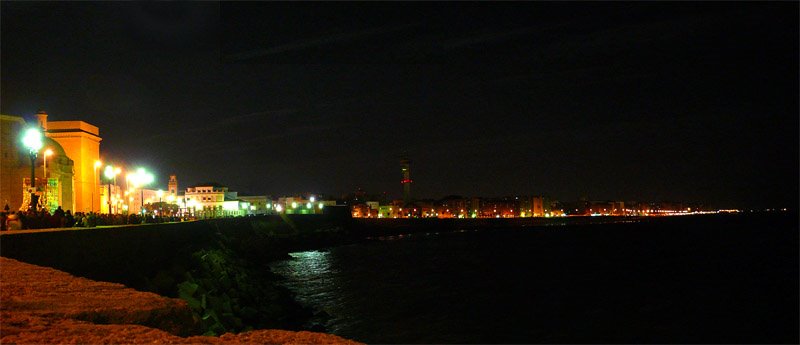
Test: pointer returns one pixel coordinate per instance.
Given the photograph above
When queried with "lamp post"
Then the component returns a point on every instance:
(140, 179)
(171, 201)
(47, 152)
(117, 171)
(111, 175)
(97, 164)
(33, 141)
(160, 193)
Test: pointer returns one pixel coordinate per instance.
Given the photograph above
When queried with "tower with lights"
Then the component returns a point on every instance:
(405, 166)
(173, 185)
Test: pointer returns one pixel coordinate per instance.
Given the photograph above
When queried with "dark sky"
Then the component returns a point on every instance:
(625, 101)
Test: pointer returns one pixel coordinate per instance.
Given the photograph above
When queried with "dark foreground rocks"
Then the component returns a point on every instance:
(40, 305)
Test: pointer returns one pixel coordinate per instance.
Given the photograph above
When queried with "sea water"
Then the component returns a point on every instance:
(689, 280)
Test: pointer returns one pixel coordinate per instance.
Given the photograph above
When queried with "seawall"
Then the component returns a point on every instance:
(130, 254)
(217, 266)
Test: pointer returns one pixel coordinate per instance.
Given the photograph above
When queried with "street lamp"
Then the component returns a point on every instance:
(140, 179)
(33, 141)
(160, 193)
(171, 201)
(97, 164)
(117, 171)
(111, 175)
(47, 152)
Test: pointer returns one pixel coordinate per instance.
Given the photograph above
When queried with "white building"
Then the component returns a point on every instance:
(213, 201)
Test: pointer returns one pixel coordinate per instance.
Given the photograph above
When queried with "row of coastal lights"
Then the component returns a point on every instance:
(138, 179)
(294, 205)
(32, 139)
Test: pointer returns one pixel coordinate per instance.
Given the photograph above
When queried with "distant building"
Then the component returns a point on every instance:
(303, 205)
(258, 204)
(531, 206)
(211, 200)
(607, 208)
(136, 199)
(172, 186)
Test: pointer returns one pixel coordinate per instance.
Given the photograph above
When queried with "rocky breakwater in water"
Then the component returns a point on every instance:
(40, 305)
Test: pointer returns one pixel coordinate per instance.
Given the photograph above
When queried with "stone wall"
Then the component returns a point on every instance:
(218, 266)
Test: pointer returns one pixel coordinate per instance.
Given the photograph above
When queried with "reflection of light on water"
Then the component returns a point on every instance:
(308, 263)
(313, 277)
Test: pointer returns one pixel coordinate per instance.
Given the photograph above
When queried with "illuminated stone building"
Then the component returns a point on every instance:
(532, 206)
(118, 202)
(57, 190)
(172, 186)
(81, 143)
(137, 198)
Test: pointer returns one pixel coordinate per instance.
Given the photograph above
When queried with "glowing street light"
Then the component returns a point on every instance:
(193, 205)
(33, 141)
(160, 193)
(140, 179)
(111, 175)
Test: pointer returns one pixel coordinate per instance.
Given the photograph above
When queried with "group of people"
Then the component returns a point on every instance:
(42, 219)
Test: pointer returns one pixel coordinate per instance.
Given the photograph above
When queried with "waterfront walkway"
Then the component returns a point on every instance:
(30, 231)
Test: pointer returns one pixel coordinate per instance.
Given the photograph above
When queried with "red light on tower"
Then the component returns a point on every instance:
(405, 169)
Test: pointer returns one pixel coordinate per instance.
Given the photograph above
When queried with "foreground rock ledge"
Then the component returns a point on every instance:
(40, 305)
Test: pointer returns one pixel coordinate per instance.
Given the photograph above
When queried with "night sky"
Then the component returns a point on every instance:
(624, 101)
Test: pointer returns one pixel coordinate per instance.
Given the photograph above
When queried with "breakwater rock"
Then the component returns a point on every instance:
(41, 305)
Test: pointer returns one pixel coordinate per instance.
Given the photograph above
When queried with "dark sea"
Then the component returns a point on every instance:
(689, 279)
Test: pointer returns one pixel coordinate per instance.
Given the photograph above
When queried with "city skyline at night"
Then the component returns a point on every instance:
(610, 101)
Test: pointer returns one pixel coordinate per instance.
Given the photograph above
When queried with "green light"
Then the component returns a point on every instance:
(321, 206)
(32, 139)
(109, 172)
(294, 205)
(308, 205)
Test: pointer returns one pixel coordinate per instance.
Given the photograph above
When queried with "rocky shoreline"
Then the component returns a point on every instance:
(42, 305)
